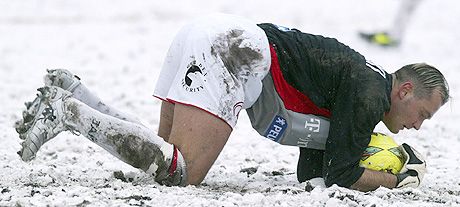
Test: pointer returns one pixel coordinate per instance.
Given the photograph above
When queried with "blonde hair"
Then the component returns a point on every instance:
(426, 79)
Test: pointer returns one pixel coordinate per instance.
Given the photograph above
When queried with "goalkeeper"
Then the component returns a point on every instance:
(298, 89)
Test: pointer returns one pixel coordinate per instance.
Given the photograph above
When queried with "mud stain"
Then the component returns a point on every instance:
(74, 115)
(240, 57)
(237, 57)
(137, 152)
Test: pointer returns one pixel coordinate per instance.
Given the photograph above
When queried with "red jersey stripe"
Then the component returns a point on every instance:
(293, 99)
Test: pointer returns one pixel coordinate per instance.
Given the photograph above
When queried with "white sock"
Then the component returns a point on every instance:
(84, 95)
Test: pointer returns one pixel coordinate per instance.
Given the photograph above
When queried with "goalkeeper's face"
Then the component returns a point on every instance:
(408, 111)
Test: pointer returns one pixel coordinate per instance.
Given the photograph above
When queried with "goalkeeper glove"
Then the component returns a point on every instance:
(413, 170)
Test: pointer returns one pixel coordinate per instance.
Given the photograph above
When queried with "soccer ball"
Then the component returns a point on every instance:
(382, 154)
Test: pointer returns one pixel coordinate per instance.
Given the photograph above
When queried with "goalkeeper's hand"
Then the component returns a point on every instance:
(413, 170)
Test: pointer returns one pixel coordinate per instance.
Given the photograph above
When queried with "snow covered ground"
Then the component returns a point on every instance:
(117, 48)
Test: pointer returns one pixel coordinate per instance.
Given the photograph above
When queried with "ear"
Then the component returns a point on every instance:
(405, 89)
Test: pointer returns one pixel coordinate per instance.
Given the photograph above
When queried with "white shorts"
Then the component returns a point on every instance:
(216, 63)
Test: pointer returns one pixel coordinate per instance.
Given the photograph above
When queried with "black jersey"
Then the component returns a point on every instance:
(317, 75)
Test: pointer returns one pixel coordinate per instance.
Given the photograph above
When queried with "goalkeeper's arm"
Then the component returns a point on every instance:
(371, 180)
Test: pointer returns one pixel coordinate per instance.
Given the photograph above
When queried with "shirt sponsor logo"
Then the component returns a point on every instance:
(276, 129)
(191, 82)
(312, 126)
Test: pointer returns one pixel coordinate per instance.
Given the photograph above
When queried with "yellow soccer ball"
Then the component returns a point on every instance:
(382, 154)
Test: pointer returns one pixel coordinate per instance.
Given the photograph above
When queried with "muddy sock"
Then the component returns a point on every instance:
(132, 143)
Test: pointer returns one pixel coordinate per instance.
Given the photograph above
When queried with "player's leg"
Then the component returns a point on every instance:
(200, 137)
(130, 142)
(394, 35)
(166, 120)
(402, 19)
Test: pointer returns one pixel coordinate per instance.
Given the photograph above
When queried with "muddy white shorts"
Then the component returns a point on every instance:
(216, 63)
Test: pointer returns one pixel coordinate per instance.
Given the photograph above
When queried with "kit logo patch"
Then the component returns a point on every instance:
(276, 129)
(191, 82)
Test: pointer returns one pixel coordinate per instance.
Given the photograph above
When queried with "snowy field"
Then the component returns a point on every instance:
(117, 48)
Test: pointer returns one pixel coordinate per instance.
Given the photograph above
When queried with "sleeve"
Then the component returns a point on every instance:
(310, 164)
(355, 114)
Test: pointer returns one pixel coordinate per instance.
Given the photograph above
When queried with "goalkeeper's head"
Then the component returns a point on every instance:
(418, 91)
